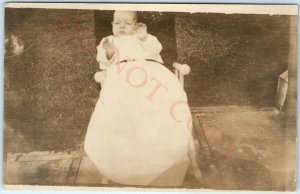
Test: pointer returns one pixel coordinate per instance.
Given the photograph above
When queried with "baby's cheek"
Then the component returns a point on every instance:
(130, 30)
(115, 31)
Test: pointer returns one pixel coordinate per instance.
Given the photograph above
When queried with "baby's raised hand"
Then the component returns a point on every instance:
(109, 47)
(141, 31)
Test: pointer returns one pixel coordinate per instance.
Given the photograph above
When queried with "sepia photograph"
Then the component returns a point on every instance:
(189, 97)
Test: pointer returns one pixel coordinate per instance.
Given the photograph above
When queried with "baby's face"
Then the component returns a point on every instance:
(124, 23)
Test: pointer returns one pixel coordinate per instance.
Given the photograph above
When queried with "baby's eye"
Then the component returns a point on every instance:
(129, 23)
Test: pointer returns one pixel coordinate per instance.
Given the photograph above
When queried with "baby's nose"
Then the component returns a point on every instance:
(122, 25)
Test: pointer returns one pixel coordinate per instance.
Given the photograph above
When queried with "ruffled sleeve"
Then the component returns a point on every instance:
(104, 63)
(152, 47)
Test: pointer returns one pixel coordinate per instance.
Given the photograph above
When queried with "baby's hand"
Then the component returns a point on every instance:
(109, 47)
(141, 31)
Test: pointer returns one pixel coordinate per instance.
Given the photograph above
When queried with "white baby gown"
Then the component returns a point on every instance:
(140, 125)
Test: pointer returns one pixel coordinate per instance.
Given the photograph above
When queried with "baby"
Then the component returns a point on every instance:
(126, 124)
(130, 41)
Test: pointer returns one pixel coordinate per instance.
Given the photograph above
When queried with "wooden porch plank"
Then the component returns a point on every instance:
(199, 134)
(71, 179)
(205, 154)
(89, 174)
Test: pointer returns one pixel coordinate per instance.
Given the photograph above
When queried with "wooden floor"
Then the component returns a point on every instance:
(236, 151)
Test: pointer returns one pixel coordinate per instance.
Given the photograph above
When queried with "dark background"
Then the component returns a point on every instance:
(50, 92)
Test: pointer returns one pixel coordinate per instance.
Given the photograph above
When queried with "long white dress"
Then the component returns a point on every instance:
(140, 125)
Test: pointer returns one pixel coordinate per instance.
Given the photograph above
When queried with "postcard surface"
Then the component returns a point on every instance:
(150, 96)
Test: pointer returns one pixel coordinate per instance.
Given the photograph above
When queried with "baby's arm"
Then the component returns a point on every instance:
(152, 45)
(105, 52)
(149, 42)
